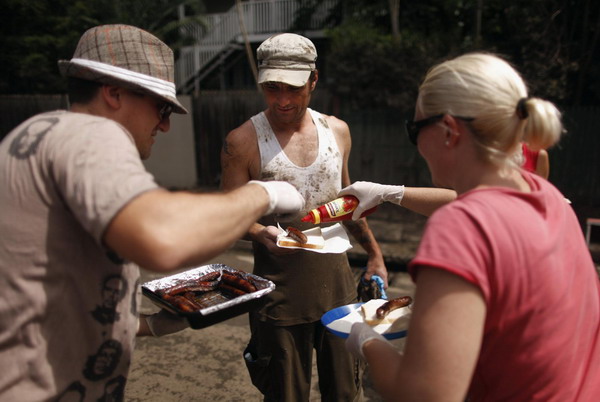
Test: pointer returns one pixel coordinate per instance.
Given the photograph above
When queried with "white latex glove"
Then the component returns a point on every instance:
(359, 335)
(372, 194)
(164, 323)
(283, 197)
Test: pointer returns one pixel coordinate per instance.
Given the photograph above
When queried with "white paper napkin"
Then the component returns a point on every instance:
(335, 237)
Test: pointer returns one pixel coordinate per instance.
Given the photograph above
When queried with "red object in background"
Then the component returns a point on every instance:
(530, 158)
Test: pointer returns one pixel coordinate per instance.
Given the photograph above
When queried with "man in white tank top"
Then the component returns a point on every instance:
(290, 142)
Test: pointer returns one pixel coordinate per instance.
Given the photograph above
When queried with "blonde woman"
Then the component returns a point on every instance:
(507, 305)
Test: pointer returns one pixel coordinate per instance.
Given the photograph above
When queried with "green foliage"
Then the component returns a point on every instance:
(373, 68)
(553, 43)
(37, 33)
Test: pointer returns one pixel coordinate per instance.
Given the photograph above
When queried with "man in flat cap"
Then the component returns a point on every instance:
(80, 213)
(289, 141)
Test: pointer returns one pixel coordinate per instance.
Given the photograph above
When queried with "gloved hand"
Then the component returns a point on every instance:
(164, 323)
(283, 197)
(359, 335)
(372, 194)
(371, 289)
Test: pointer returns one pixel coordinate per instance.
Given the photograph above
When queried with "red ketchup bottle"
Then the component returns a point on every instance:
(339, 209)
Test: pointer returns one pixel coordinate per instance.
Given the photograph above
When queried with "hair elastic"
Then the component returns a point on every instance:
(522, 112)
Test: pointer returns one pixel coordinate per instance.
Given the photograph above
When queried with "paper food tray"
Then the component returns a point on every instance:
(221, 307)
(335, 239)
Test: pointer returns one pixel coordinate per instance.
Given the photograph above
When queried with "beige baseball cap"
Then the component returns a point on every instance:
(287, 58)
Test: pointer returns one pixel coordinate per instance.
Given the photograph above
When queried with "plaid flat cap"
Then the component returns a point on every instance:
(125, 56)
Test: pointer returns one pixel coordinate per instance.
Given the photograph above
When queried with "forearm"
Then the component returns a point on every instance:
(425, 200)
(394, 379)
(160, 324)
(364, 236)
(161, 230)
(385, 368)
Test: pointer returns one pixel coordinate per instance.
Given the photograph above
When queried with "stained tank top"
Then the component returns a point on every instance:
(308, 284)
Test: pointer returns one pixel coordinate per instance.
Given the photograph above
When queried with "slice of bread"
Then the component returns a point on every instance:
(369, 310)
(287, 242)
(314, 240)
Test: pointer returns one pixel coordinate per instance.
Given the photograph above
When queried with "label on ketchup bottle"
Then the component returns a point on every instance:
(339, 209)
(341, 206)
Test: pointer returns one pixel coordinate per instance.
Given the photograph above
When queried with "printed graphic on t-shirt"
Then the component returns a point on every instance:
(103, 363)
(113, 290)
(74, 393)
(27, 141)
(114, 390)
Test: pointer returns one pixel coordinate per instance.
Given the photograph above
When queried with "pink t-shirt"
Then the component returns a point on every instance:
(527, 255)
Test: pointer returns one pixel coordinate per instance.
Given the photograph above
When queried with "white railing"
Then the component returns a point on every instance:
(259, 18)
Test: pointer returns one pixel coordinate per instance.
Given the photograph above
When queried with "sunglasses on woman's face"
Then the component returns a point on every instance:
(414, 127)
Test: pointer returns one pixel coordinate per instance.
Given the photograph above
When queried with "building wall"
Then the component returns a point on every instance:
(173, 159)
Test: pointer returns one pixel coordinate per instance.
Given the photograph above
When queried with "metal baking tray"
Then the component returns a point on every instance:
(222, 306)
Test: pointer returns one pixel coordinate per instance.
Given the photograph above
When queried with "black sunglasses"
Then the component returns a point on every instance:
(165, 111)
(414, 127)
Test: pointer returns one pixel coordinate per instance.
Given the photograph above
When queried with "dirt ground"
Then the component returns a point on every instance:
(207, 364)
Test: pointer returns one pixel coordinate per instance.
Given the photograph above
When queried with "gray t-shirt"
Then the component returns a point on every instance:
(68, 306)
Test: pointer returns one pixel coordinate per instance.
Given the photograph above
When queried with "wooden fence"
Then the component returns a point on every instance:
(380, 150)
(15, 109)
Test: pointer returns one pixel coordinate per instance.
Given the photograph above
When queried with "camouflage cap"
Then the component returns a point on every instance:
(125, 56)
(287, 58)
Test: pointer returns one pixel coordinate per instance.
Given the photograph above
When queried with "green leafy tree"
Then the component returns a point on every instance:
(375, 69)
(376, 62)
(37, 33)
(553, 43)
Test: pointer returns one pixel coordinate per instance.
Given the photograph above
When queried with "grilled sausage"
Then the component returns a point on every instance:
(238, 282)
(297, 235)
(203, 283)
(393, 304)
(182, 303)
(190, 287)
(232, 290)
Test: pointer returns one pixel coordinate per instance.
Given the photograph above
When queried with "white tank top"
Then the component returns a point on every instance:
(306, 284)
(319, 182)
